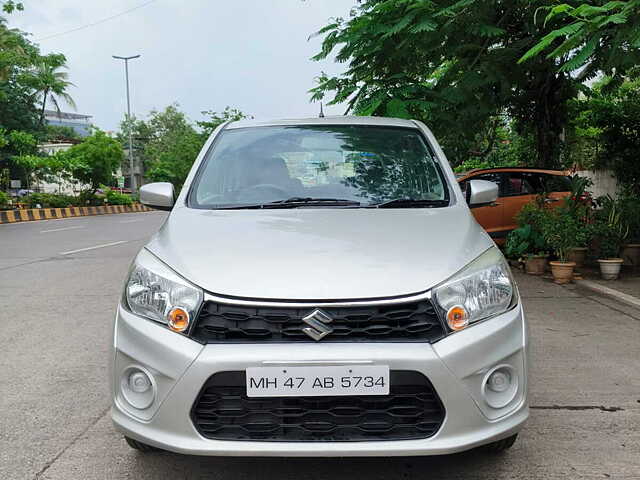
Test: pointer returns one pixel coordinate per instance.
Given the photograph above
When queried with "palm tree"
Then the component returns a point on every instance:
(51, 83)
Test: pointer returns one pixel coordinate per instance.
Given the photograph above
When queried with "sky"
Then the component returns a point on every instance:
(203, 54)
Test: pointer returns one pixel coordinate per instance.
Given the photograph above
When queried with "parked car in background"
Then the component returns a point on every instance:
(23, 192)
(517, 186)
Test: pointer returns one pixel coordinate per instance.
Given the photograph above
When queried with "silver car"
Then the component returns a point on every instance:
(320, 288)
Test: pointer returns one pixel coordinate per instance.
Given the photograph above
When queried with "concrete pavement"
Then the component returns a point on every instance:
(60, 281)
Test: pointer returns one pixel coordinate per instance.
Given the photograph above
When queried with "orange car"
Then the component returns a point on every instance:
(517, 186)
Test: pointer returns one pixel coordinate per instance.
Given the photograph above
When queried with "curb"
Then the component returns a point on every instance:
(32, 214)
(609, 292)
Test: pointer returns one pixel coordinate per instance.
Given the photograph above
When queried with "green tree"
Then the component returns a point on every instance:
(615, 117)
(60, 133)
(18, 113)
(165, 128)
(11, 6)
(19, 144)
(453, 64)
(24, 143)
(22, 130)
(168, 142)
(33, 166)
(41, 167)
(11, 50)
(17, 55)
(215, 119)
(50, 83)
(595, 36)
(95, 160)
(173, 163)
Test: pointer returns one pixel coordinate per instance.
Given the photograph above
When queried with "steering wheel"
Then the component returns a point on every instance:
(258, 192)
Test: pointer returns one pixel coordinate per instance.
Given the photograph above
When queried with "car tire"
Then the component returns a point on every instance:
(501, 445)
(141, 447)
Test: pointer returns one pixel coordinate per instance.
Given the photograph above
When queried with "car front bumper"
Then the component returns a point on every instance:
(457, 366)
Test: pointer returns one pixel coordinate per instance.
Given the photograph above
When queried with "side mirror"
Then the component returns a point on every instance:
(158, 195)
(481, 193)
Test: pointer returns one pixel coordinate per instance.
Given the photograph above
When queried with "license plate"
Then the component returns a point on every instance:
(317, 381)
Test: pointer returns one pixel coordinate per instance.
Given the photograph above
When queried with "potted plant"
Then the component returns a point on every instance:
(584, 234)
(527, 245)
(611, 232)
(562, 232)
(580, 205)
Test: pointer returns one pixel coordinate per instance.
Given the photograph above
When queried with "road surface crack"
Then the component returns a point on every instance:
(71, 444)
(602, 408)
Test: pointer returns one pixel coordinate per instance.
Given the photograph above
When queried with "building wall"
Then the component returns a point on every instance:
(604, 183)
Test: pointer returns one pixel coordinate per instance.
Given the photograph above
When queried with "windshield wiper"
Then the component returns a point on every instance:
(310, 200)
(410, 203)
(295, 202)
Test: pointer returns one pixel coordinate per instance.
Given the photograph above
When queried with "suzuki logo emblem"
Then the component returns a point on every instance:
(317, 321)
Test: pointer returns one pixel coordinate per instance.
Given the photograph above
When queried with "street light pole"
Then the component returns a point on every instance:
(126, 73)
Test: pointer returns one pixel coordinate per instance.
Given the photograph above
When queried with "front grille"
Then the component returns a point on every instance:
(412, 410)
(402, 322)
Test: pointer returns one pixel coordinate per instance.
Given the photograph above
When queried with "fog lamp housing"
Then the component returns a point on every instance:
(500, 386)
(138, 387)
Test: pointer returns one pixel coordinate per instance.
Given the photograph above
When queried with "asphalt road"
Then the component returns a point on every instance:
(59, 284)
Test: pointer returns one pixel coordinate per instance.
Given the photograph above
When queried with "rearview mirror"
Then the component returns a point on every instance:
(157, 195)
(481, 192)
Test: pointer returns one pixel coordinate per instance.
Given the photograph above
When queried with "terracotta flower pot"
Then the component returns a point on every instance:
(535, 265)
(578, 255)
(610, 268)
(562, 272)
(631, 255)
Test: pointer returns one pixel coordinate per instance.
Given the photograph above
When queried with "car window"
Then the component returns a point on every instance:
(523, 183)
(556, 183)
(362, 163)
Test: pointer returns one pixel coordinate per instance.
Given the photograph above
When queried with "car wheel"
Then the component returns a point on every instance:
(141, 447)
(501, 445)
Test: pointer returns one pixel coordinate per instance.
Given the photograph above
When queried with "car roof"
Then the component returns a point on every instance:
(328, 120)
(465, 175)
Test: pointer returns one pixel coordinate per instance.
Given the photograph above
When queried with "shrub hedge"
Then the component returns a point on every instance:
(56, 200)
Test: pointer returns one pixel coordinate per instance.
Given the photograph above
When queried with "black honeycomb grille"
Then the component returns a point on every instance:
(404, 322)
(412, 410)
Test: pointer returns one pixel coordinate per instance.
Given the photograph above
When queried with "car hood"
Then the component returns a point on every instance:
(319, 253)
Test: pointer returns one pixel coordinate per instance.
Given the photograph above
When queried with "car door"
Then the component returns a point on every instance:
(557, 188)
(520, 188)
(489, 216)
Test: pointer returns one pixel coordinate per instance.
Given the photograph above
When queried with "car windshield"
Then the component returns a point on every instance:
(315, 165)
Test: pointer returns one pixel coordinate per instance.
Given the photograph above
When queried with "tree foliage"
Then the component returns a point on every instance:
(595, 36)
(169, 143)
(22, 69)
(613, 120)
(453, 64)
(61, 133)
(215, 119)
(50, 82)
(18, 110)
(95, 160)
(10, 6)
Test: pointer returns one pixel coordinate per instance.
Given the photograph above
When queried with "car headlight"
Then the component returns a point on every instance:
(156, 292)
(482, 289)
